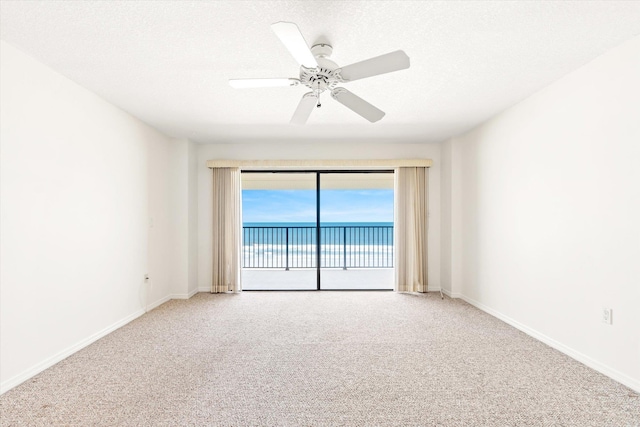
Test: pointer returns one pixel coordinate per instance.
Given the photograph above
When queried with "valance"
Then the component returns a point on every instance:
(318, 164)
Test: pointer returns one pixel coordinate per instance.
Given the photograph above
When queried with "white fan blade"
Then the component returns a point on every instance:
(357, 104)
(382, 64)
(291, 37)
(305, 107)
(251, 83)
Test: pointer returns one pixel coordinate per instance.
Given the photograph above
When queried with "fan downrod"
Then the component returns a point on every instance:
(321, 50)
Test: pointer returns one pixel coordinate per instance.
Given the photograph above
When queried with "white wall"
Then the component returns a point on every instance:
(161, 219)
(79, 181)
(451, 217)
(445, 218)
(192, 191)
(548, 211)
(179, 209)
(314, 150)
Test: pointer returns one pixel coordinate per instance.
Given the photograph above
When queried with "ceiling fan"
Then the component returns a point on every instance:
(319, 73)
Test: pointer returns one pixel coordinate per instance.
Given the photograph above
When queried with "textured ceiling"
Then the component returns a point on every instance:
(168, 62)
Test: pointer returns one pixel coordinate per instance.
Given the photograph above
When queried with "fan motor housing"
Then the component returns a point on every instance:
(326, 75)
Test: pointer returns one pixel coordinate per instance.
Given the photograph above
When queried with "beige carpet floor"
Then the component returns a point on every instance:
(319, 359)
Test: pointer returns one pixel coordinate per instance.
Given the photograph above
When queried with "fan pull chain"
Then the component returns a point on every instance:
(318, 96)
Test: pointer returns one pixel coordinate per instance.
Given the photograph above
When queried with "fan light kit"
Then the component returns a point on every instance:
(319, 73)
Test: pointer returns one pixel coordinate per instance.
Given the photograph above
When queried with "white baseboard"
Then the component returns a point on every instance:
(580, 357)
(50, 361)
(204, 289)
(158, 303)
(184, 296)
(451, 294)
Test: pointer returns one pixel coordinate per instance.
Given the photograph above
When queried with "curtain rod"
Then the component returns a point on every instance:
(318, 164)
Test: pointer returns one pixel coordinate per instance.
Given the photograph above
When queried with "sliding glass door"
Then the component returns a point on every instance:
(317, 230)
(356, 230)
(279, 231)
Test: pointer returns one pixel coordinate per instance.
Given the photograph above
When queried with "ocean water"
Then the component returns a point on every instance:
(331, 233)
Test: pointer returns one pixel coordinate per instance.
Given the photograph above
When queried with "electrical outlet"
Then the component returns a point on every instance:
(607, 316)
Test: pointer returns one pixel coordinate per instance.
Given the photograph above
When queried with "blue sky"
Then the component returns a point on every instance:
(300, 205)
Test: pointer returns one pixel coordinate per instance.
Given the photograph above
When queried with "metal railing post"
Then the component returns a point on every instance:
(287, 246)
(344, 247)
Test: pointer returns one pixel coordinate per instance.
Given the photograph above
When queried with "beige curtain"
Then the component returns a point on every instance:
(411, 229)
(227, 229)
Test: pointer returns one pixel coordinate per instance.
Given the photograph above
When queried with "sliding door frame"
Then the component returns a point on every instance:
(318, 173)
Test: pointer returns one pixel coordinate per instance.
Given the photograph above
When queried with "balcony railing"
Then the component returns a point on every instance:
(357, 246)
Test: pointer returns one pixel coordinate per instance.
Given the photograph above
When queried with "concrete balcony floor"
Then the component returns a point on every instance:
(305, 279)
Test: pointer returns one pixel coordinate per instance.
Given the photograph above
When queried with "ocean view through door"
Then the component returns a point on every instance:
(279, 229)
(356, 230)
(285, 212)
